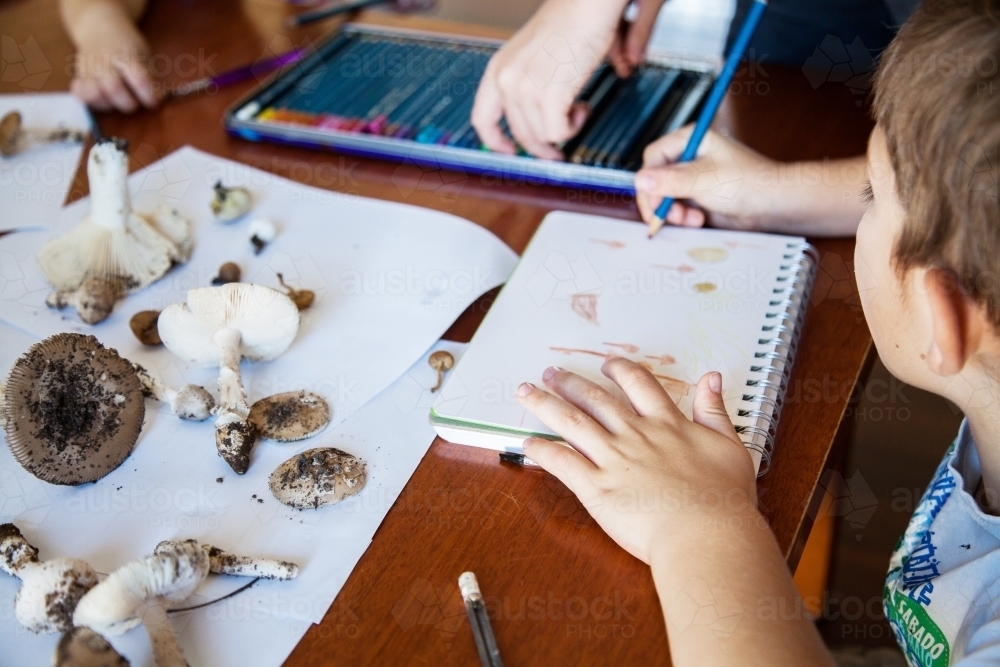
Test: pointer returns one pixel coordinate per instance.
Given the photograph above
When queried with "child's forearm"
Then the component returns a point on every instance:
(728, 598)
(86, 18)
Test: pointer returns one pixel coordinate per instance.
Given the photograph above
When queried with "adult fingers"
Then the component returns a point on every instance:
(601, 406)
(116, 92)
(487, 110)
(643, 390)
(708, 408)
(571, 423)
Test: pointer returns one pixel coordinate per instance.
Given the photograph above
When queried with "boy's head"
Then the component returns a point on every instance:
(928, 252)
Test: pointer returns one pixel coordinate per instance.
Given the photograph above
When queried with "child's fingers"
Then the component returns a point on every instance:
(667, 148)
(527, 135)
(139, 81)
(116, 93)
(88, 92)
(709, 410)
(639, 31)
(604, 408)
(568, 465)
(641, 388)
(571, 423)
(487, 110)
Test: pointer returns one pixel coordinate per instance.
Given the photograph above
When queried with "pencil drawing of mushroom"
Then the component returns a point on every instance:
(219, 326)
(317, 477)
(290, 416)
(223, 562)
(141, 591)
(50, 590)
(303, 298)
(143, 325)
(191, 402)
(441, 361)
(262, 231)
(708, 254)
(228, 204)
(82, 647)
(15, 138)
(625, 347)
(584, 304)
(94, 299)
(113, 242)
(72, 409)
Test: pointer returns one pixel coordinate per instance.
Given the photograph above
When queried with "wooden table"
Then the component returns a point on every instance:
(559, 590)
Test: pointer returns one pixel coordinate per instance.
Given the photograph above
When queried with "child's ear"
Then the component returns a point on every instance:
(956, 320)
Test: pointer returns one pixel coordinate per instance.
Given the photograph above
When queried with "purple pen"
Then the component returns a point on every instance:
(236, 75)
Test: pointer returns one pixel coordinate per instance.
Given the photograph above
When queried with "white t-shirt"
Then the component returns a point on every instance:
(942, 595)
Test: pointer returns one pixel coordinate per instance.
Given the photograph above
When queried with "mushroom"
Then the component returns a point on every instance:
(290, 416)
(49, 590)
(217, 327)
(302, 298)
(141, 591)
(82, 647)
(223, 562)
(230, 203)
(317, 477)
(94, 299)
(143, 325)
(262, 231)
(191, 402)
(228, 273)
(73, 409)
(14, 137)
(114, 243)
(441, 361)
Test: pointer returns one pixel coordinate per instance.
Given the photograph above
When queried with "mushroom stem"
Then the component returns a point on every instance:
(166, 651)
(151, 386)
(190, 402)
(15, 551)
(223, 562)
(107, 172)
(234, 435)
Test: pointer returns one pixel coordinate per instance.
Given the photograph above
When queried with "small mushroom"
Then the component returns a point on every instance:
(113, 242)
(94, 299)
(228, 204)
(143, 325)
(228, 273)
(441, 361)
(262, 231)
(223, 562)
(218, 326)
(14, 137)
(317, 477)
(290, 416)
(141, 591)
(82, 647)
(302, 298)
(191, 402)
(73, 409)
(49, 590)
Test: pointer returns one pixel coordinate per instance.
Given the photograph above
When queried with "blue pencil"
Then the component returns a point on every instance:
(713, 102)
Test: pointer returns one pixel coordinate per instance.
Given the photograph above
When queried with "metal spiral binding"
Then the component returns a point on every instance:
(772, 363)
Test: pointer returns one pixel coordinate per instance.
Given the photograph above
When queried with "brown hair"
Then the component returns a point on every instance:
(937, 98)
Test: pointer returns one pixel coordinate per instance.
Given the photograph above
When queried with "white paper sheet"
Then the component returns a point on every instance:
(389, 280)
(34, 184)
(166, 489)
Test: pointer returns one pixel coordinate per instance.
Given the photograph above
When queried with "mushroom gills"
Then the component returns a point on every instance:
(290, 416)
(82, 647)
(318, 477)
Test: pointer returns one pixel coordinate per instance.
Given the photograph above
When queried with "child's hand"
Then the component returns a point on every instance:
(629, 47)
(111, 71)
(642, 469)
(724, 182)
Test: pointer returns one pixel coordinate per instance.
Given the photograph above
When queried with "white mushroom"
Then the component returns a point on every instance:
(94, 299)
(318, 477)
(142, 590)
(49, 590)
(190, 402)
(223, 562)
(229, 204)
(218, 326)
(113, 242)
(262, 231)
(82, 647)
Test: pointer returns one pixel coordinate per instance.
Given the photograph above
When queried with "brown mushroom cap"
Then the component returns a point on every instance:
(82, 647)
(143, 325)
(290, 416)
(318, 477)
(73, 409)
(10, 131)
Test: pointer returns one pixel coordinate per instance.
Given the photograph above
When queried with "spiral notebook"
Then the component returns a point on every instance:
(687, 302)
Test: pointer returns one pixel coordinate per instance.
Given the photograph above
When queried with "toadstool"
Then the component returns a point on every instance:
(303, 298)
(290, 416)
(49, 590)
(441, 361)
(14, 137)
(191, 402)
(143, 325)
(317, 477)
(141, 590)
(228, 273)
(114, 243)
(82, 647)
(94, 299)
(223, 562)
(262, 231)
(73, 409)
(228, 204)
(218, 326)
